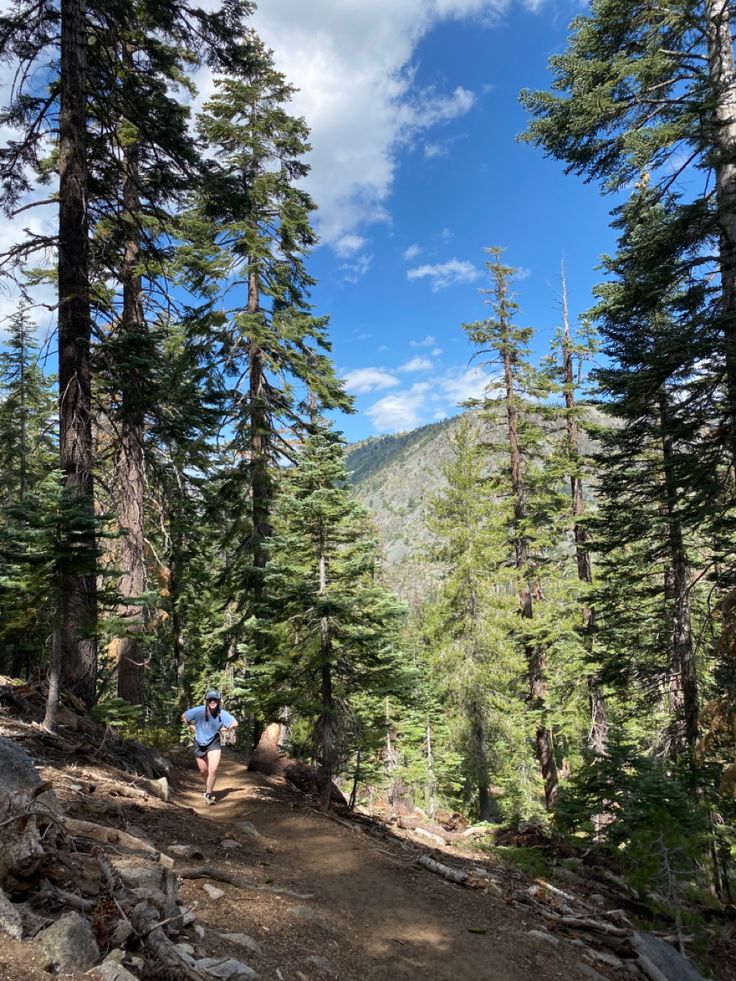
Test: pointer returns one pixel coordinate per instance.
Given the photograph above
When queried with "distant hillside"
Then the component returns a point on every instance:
(395, 477)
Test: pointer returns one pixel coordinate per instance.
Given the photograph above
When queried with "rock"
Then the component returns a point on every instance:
(185, 948)
(212, 891)
(229, 843)
(112, 970)
(590, 972)
(544, 935)
(185, 851)
(306, 914)
(139, 875)
(198, 931)
(123, 930)
(322, 964)
(69, 944)
(10, 918)
(243, 940)
(226, 968)
(187, 916)
(248, 828)
(672, 964)
(154, 896)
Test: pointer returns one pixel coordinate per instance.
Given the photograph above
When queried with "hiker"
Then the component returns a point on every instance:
(206, 721)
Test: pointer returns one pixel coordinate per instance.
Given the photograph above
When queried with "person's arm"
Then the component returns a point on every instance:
(185, 718)
(233, 721)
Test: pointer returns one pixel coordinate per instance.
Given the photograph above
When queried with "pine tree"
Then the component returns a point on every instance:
(477, 666)
(273, 347)
(338, 627)
(651, 89)
(28, 459)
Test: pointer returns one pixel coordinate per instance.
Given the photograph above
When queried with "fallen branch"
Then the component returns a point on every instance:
(453, 875)
(207, 872)
(144, 919)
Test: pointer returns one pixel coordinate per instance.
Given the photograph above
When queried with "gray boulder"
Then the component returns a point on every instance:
(69, 944)
(664, 957)
(226, 968)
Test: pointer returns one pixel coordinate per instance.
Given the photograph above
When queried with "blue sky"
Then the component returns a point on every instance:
(414, 111)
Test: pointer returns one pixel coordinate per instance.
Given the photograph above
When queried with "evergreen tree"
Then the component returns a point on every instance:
(273, 347)
(651, 89)
(28, 458)
(337, 627)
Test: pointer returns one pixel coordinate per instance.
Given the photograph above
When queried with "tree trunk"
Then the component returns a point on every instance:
(77, 576)
(260, 483)
(723, 86)
(131, 463)
(326, 722)
(683, 648)
(598, 736)
(535, 657)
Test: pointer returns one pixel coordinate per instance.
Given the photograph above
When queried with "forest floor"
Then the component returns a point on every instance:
(318, 896)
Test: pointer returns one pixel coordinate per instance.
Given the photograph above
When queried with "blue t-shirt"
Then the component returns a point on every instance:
(207, 726)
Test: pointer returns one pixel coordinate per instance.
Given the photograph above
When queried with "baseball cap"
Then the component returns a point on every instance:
(213, 693)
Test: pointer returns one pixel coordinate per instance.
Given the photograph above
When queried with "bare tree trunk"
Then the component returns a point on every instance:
(723, 86)
(598, 736)
(131, 463)
(78, 586)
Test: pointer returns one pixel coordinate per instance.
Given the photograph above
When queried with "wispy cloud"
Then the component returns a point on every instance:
(463, 384)
(355, 270)
(432, 150)
(399, 411)
(444, 274)
(417, 364)
(427, 341)
(412, 251)
(362, 380)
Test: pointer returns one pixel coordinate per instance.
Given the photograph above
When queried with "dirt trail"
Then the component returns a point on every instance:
(374, 914)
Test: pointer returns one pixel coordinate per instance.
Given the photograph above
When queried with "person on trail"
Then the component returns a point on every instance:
(206, 721)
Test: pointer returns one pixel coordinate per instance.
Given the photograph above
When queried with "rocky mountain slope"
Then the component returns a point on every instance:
(396, 477)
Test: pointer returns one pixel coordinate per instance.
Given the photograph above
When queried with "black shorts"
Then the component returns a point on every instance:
(201, 752)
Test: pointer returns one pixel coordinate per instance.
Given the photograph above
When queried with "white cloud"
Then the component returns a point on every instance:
(349, 245)
(362, 380)
(412, 251)
(468, 383)
(399, 411)
(436, 352)
(444, 274)
(417, 364)
(427, 341)
(351, 61)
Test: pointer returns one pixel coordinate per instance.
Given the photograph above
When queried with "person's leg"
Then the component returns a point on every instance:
(202, 767)
(213, 761)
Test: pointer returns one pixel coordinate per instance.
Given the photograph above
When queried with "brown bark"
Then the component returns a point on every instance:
(723, 86)
(326, 721)
(131, 464)
(598, 736)
(678, 587)
(535, 657)
(78, 588)
(260, 483)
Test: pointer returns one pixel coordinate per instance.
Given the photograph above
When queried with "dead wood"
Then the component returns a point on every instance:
(112, 836)
(145, 921)
(49, 893)
(268, 758)
(207, 872)
(453, 875)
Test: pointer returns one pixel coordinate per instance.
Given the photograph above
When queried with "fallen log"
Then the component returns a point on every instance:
(113, 836)
(208, 872)
(453, 875)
